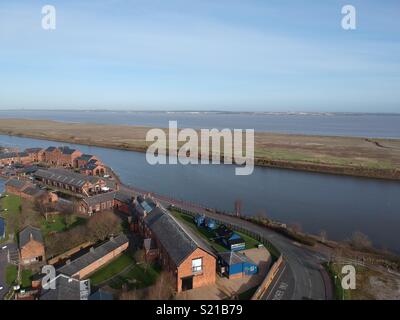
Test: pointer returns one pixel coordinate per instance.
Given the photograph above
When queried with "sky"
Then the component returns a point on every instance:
(234, 55)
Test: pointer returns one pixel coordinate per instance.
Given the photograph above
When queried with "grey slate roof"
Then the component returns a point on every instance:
(124, 197)
(50, 149)
(16, 183)
(92, 256)
(33, 150)
(99, 198)
(66, 150)
(174, 237)
(85, 157)
(28, 233)
(66, 176)
(232, 257)
(66, 289)
(9, 155)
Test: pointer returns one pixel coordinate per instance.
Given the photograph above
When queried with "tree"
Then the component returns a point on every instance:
(41, 206)
(164, 287)
(360, 241)
(103, 225)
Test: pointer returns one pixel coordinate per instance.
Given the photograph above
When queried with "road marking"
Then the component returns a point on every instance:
(277, 281)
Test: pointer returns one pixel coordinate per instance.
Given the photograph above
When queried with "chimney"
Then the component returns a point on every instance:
(92, 249)
(68, 262)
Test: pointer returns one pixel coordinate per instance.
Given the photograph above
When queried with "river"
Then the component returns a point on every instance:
(339, 205)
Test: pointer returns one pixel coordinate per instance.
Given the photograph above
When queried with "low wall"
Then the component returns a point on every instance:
(268, 279)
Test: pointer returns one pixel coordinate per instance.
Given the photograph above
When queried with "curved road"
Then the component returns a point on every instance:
(302, 275)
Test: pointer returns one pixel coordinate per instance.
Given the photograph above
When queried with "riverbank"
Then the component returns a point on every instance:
(373, 158)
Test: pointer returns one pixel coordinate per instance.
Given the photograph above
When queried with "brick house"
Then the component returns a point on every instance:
(84, 160)
(14, 157)
(35, 154)
(31, 246)
(93, 168)
(89, 262)
(101, 202)
(118, 200)
(70, 181)
(29, 191)
(180, 251)
(61, 156)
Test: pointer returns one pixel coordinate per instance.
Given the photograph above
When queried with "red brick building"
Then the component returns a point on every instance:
(31, 246)
(14, 157)
(29, 191)
(97, 257)
(180, 251)
(70, 181)
(61, 156)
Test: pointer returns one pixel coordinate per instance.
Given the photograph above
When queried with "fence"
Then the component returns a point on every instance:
(268, 279)
(271, 248)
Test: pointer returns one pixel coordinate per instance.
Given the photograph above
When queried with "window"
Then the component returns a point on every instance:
(197, 265)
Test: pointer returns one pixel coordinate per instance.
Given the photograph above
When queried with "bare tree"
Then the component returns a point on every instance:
(360, 241)
(103, 225)
(164, 287)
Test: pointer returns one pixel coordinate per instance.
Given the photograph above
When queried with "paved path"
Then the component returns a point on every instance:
(303, 278)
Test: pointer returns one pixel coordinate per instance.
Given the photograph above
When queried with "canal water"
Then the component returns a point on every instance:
(337, 204)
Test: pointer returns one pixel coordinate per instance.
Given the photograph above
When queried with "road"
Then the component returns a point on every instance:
(303, 276)
(3, 266)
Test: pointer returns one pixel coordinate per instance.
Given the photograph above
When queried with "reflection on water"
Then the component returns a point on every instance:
(338, 205)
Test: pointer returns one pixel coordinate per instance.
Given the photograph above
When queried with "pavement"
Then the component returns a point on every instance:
(3, 266)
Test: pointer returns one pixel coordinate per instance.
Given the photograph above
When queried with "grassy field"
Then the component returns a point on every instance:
(11, 274)
(140, 276)
(12, 216)
(111, 269)
(209, 235)
(378, 158)
(26, 281)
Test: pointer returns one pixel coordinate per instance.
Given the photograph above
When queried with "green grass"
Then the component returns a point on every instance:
(54, 223)
(209, 235)
(26, 276)
(140, 276)
(11, 216)
(11, 274)
(335, 274)
(111, 269)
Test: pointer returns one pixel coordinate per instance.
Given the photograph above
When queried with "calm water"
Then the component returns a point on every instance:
(363, 125)
(339, 205)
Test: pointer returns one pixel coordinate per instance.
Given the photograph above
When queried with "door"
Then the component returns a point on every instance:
(187, 283)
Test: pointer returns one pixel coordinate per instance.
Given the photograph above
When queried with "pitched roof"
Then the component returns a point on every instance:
(99, 198)
(85, 157)
(29, 233)
(232, 257)
(10, 155)
(93, 255)
(16, 183)
(33, 150)
(66, 150)
(174, 237)
(66, 288)
(123, 196)
(50, 149)
(66, 176)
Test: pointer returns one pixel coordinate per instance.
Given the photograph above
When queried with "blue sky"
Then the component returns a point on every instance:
(253, 55)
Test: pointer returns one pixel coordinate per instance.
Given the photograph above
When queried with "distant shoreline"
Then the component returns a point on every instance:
(352, 156)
